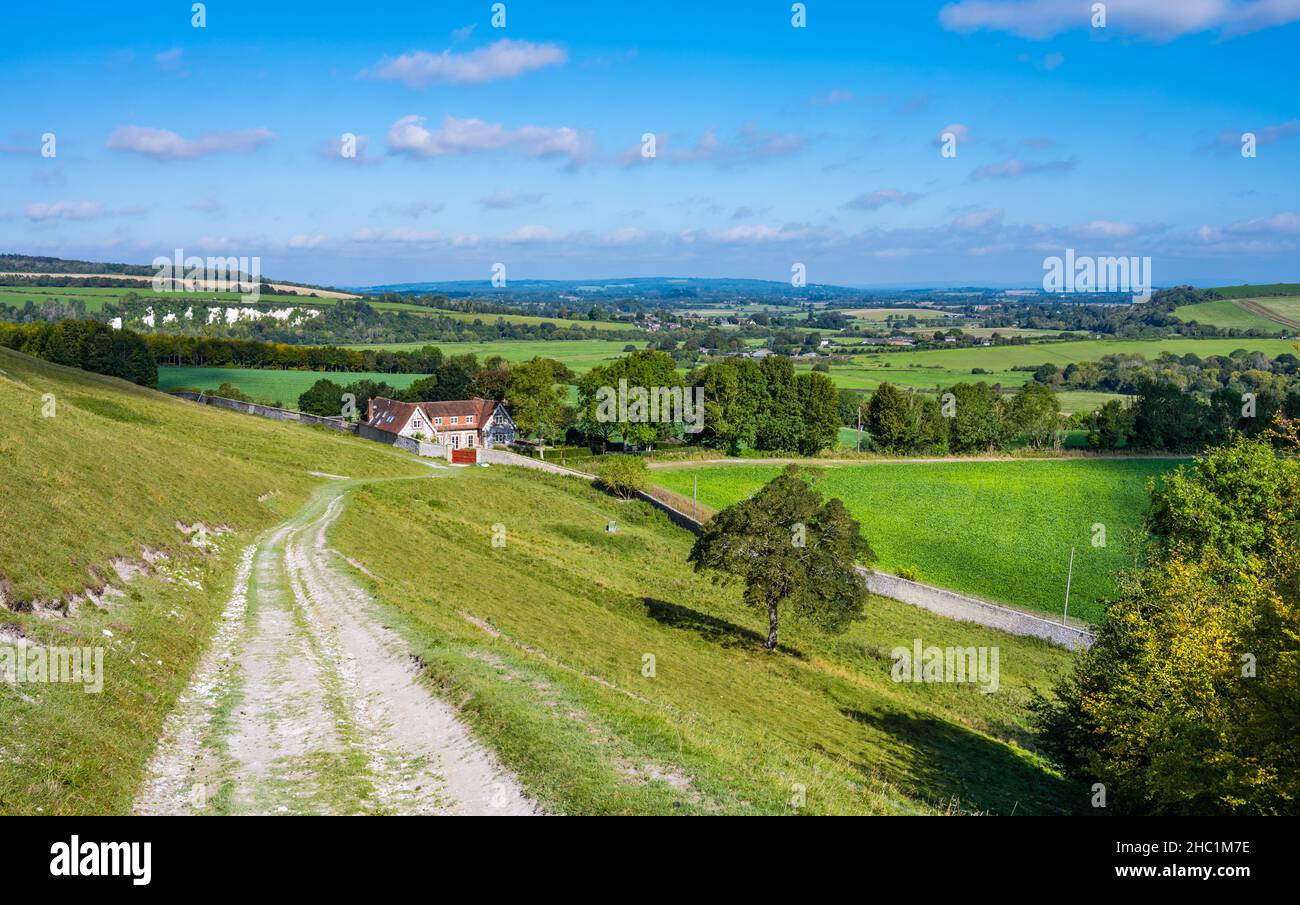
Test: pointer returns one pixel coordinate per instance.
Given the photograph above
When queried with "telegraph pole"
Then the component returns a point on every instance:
(859, 427)
(1069, 575)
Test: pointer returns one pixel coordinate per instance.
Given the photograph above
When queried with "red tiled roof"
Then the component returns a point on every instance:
(391, 415)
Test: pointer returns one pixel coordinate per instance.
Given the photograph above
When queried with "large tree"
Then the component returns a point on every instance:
(1189, 700)
(791, 550)
(536, 403)
(1035, 415)
(977, 423)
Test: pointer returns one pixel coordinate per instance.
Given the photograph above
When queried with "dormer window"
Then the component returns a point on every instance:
(453, 419)
(469, 419)
(437, 421)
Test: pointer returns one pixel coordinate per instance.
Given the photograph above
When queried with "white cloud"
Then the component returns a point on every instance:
(874, 201)
(1107, 229)
(1287, 222)
(530, 234)
(507, 199)
(959, 131)
(748, 145)
(504, 59)
(163, 144)
(65, 210)
(1013, 169)
(831, 98)
(1158, 20)
(979, 219)
(468, 136)
(169, 60)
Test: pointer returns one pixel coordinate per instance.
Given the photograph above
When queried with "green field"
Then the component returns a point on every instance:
(282, 386)
(937, 368)
(551, 668)
(579, 354)
(95, 297)
(1276, 313)
(999, 530)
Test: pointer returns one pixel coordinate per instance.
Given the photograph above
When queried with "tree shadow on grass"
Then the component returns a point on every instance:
(951, 766)
(711, 628)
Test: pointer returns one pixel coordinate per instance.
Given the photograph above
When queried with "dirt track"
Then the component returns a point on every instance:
(306, 704)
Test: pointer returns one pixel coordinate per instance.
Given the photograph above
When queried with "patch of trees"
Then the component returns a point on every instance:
(1187, 702)
(348, 321)
(765, 405)
(88, 345)
(968, 418)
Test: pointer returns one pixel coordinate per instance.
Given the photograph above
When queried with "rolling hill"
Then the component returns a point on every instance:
(541, 643)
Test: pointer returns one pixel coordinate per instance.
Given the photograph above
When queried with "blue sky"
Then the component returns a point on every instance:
(775, 144)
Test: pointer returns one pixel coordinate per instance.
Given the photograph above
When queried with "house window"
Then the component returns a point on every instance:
(437, 421)
(469, 441)
(469, 419)
(453, 419)
(417, 423)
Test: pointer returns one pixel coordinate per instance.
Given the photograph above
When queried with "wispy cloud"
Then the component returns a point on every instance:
(831, 98)
(503, 59)
(65, 210)
(1014, 168)
(1230, 139)
(163, 144)
(874, 201)
(169, 60)
(508, 199)
(1157, 20)
(748, 145)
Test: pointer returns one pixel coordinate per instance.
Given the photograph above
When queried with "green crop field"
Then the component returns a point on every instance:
(551, 672)
(579, 354)
(282, 386)
(937, 368)
(1001, 530)
(95, 297)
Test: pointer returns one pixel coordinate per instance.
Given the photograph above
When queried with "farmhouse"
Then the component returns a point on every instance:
(458, 424)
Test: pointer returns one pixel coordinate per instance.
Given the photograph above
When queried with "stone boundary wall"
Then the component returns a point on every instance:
(498, 456)
(972, 609)
(266, 411)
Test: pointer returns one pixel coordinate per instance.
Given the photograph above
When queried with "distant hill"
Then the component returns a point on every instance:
(1248, 290)
(667, 289)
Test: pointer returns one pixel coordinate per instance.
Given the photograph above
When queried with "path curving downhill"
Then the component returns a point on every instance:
(305, 703)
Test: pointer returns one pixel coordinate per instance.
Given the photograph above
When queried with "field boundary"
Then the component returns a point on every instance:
(266, 411)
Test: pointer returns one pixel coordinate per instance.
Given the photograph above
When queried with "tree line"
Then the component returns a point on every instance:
(88, 345)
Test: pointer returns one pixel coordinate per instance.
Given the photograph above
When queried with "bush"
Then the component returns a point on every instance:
(230, 391)
(623, 476)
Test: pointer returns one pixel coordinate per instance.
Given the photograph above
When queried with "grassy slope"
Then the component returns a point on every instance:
(1224, 313)
(561, 695)
(1000, 530)
(111, 473)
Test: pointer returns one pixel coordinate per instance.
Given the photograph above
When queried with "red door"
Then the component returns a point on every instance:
(464, 456)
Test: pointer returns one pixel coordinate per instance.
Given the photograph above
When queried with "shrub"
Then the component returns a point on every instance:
(623, 476)
(230, 391)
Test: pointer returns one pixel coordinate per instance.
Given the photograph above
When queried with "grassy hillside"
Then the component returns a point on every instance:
(544, 641)
(1255, 290)
(111, 474)
(999, 530)
(1275, 313)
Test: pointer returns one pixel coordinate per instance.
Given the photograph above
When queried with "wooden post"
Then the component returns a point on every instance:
(1069, 575)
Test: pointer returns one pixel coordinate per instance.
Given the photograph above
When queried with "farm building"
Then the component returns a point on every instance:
(457, 424)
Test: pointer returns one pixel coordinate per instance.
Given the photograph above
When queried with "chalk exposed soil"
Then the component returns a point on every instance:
(305, 703)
